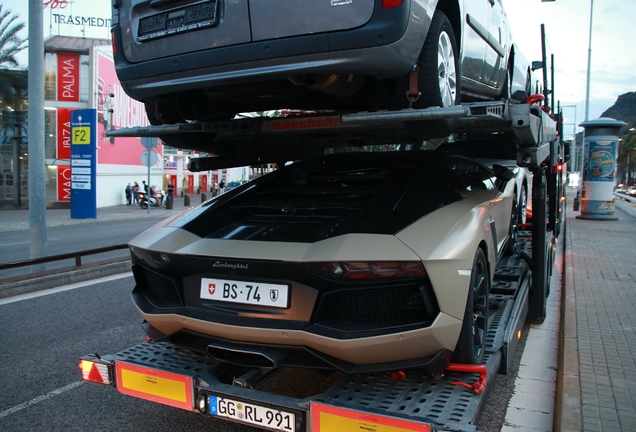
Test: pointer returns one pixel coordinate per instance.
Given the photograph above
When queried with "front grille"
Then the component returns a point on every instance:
(382, 307)
(159, 290)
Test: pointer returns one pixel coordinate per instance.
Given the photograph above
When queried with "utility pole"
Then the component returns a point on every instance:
(589, 65)
(37, 173)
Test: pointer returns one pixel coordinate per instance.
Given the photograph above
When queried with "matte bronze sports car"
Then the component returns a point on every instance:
(355, 261)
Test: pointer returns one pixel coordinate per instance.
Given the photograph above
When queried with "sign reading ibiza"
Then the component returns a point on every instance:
(60, 18)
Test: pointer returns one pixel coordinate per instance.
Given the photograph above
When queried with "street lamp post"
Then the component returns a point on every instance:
(589, 63)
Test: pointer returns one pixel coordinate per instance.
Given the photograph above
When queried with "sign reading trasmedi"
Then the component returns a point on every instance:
(71, 19)
(81, 20)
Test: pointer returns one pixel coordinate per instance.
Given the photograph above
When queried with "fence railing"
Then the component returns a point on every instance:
(76, 256)
(625, 197)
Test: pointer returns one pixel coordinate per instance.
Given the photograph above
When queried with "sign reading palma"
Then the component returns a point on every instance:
(68, 77)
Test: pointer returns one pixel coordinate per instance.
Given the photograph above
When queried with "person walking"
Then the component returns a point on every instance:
(221, 187)
(128, 194)
(170, 194)
(136, 194)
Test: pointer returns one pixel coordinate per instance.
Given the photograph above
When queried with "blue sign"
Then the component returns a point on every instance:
(84, 164)
(602, 161)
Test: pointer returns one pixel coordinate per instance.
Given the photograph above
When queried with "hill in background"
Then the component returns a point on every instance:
(623, 109)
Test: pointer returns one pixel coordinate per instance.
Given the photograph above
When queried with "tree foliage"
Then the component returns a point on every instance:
(627, 145)
(10, 45)
(627, 155)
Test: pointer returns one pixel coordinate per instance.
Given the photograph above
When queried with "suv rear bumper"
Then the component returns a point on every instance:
(390, 42)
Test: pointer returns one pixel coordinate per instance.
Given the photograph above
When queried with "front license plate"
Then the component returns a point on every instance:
(253, 293)
(260, 416)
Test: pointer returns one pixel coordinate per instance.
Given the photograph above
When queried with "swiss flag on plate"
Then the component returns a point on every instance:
(211, 288)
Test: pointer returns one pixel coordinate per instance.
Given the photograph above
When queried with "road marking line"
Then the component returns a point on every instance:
(39, 399)
(63, 288)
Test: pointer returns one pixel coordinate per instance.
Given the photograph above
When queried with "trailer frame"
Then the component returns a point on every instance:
(409, 399)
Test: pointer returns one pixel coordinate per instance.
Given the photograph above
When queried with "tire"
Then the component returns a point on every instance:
(438, 78)
(513, 231)
(522, 217)
(471, 345)
(143, 204)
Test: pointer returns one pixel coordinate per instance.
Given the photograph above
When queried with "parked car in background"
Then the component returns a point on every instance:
(209, 60)
(231, 185)
(631, 191)
(354, 261)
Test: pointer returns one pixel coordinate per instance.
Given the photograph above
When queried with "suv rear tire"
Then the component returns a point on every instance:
(438, 78)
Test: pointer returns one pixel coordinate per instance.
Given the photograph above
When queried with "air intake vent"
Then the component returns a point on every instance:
(159, 290)
(381, 307)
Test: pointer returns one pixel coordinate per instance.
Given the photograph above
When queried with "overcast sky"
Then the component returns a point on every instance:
(567, 25)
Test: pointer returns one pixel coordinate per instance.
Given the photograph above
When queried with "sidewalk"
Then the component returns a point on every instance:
(18, 220)
(599, 340)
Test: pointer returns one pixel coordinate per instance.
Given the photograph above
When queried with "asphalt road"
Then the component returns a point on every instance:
(40, 344)
(42, 339)
(14, 246)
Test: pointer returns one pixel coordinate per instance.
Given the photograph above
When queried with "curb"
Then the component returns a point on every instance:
(569, 400)
(630, 210)
(64, 278)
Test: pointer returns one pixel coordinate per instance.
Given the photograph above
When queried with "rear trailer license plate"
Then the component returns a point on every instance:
(178, 20)
(253, 293)
(249, 413)
(157, 386)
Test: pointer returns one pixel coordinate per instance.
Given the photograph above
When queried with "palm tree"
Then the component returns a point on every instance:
(627, 153)
(10, 45)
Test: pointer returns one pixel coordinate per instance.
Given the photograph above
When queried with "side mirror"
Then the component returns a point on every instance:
(537, 65)
(520, 96)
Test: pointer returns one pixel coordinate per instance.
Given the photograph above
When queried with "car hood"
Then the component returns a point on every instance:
(425, 239)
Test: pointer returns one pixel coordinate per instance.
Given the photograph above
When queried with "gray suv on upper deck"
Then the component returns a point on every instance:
(210, 59)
